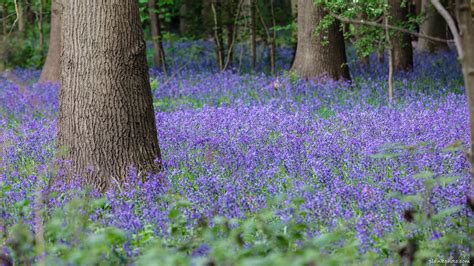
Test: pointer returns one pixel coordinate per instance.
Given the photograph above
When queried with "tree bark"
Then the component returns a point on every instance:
(40, 26)
(4, 21)
(433, 25)
(3, 38)
(51, 68)
(183, 20)
(156, 36)
(20, 16)
(231, 11)
(466, 32)
(253, 32)
(106, 119)
(401, 42)
(313, 58)
(273, 39)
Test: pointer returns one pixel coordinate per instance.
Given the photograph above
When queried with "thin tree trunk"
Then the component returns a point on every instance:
(40, 26)
(106, 119)
(273, 39)
(253, 33)
(433, 25)
(3, 38)
(4, 21)
(183, 21)
(232, 16)
(364, 60)
(390, 61)
(313, 58)
(401, 42)
(270, 39)
(51, 68)
(218, 33)
(159, 59)
(20, 16)
(233, 37)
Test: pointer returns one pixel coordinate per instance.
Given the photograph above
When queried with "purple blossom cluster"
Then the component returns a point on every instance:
(231, 142)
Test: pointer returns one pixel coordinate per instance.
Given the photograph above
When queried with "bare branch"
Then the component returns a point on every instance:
(231, 46)
(451, 24)
(385, 27)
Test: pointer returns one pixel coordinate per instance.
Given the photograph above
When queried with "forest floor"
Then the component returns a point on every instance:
(274, 168)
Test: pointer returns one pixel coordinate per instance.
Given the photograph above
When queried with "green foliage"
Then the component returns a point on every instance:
(366, 39)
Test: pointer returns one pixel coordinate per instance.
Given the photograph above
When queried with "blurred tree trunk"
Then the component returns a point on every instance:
(253, 32)
(40, 26)
(433, 25)
(364, 60)
(216, 6)
(231, 11)
(3, 38)
(159, 59)
(294, 13)
(401, 42)
(51, 68)
(273, 38)
(29, 13)
(3, 14)
(106, 119)
(183, 21)
(20, 16)
(314, 59)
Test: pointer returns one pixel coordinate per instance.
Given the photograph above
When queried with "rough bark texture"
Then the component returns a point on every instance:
(466, 32)
(432, 25)
(401, 42)
(157, 38)
(51, 68)
(314, 59)
(106, 119)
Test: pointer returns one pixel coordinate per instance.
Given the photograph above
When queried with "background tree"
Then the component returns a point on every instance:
(464, 38)
(159, 59)
(106, 119)
(314, 57)
(433, 25)
(51, 68)
(402, 49)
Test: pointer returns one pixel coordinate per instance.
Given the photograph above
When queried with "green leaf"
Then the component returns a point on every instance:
(445, 213)
(423, 175)
(174, 213)
(446, 180)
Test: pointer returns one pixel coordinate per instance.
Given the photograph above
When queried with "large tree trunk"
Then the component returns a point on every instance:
(313, 58)
(51, 68)
(157, 38)
(466, 32)
(106, 119)
(401, 42)
(433, 25)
